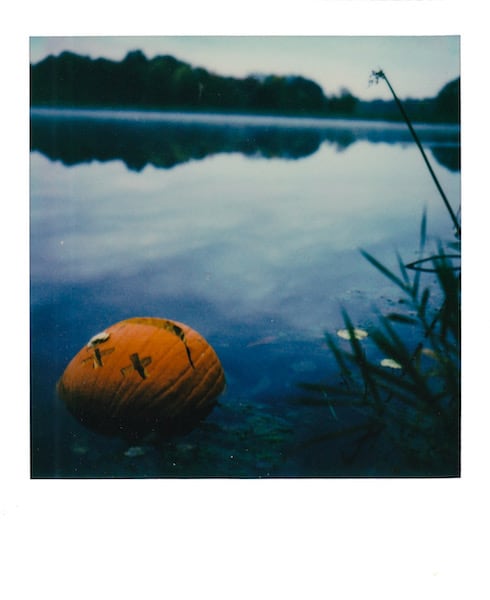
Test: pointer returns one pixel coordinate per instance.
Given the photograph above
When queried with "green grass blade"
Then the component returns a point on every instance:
(422, 240)
(385, 271)
(360, 359)
(401, 318)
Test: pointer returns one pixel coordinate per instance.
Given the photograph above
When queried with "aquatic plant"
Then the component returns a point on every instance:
(402, 376)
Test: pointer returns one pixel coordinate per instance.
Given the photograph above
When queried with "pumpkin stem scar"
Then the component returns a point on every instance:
(96, 357)
(98, 338)
(137, 365)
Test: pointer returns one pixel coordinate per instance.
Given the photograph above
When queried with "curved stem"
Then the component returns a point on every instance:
(380, 74)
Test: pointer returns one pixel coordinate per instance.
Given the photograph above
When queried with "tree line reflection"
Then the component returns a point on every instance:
(166, 143)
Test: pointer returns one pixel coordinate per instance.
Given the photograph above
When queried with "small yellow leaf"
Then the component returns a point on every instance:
(429, 352)
(359, 334)
(390, 363)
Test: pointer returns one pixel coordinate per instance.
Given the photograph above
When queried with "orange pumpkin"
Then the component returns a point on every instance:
(143, 375)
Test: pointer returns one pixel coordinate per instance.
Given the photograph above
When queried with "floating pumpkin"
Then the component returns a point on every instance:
(143, 375)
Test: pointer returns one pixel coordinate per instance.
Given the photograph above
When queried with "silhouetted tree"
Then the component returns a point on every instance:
(447, 102)
(345, 104)
(165, 82)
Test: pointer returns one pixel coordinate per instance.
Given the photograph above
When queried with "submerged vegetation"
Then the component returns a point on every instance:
(403, 375)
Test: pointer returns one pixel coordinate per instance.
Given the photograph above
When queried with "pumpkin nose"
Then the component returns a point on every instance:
(142, 375)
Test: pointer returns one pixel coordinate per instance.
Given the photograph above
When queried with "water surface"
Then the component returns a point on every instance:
(248, 230)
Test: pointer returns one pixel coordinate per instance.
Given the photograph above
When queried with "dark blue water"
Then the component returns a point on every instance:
(247, 230)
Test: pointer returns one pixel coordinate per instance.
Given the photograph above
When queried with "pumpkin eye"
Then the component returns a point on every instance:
(98, 338)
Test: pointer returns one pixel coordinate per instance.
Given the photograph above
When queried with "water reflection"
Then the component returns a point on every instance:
(165, 140)
(448, 156)
(256, 255)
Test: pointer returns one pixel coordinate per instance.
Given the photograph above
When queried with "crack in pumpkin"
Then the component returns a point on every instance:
(179, 332)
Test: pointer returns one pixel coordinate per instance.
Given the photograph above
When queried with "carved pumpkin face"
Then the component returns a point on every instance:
(143, 375)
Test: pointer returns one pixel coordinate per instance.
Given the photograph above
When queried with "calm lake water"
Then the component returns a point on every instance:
(248, 230)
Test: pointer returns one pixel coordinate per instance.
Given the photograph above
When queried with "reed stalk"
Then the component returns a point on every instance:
(376, 76)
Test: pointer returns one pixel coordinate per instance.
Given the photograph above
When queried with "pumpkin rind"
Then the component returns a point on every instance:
(143, 375)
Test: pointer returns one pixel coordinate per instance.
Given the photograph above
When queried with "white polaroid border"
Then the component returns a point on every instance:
(344, 539)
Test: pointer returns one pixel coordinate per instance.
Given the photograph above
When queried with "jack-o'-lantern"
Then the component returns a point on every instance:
(143, 375)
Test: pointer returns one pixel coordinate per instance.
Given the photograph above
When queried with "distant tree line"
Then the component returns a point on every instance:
(166, 83)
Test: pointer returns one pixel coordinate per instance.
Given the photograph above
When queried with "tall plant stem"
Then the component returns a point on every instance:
(380, 74)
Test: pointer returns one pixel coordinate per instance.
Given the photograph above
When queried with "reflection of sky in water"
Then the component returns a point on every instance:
(249, 236)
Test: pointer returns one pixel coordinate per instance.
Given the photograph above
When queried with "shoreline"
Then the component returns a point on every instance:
(217, 118)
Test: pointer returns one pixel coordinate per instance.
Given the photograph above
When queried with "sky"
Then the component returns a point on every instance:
(418, 66)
